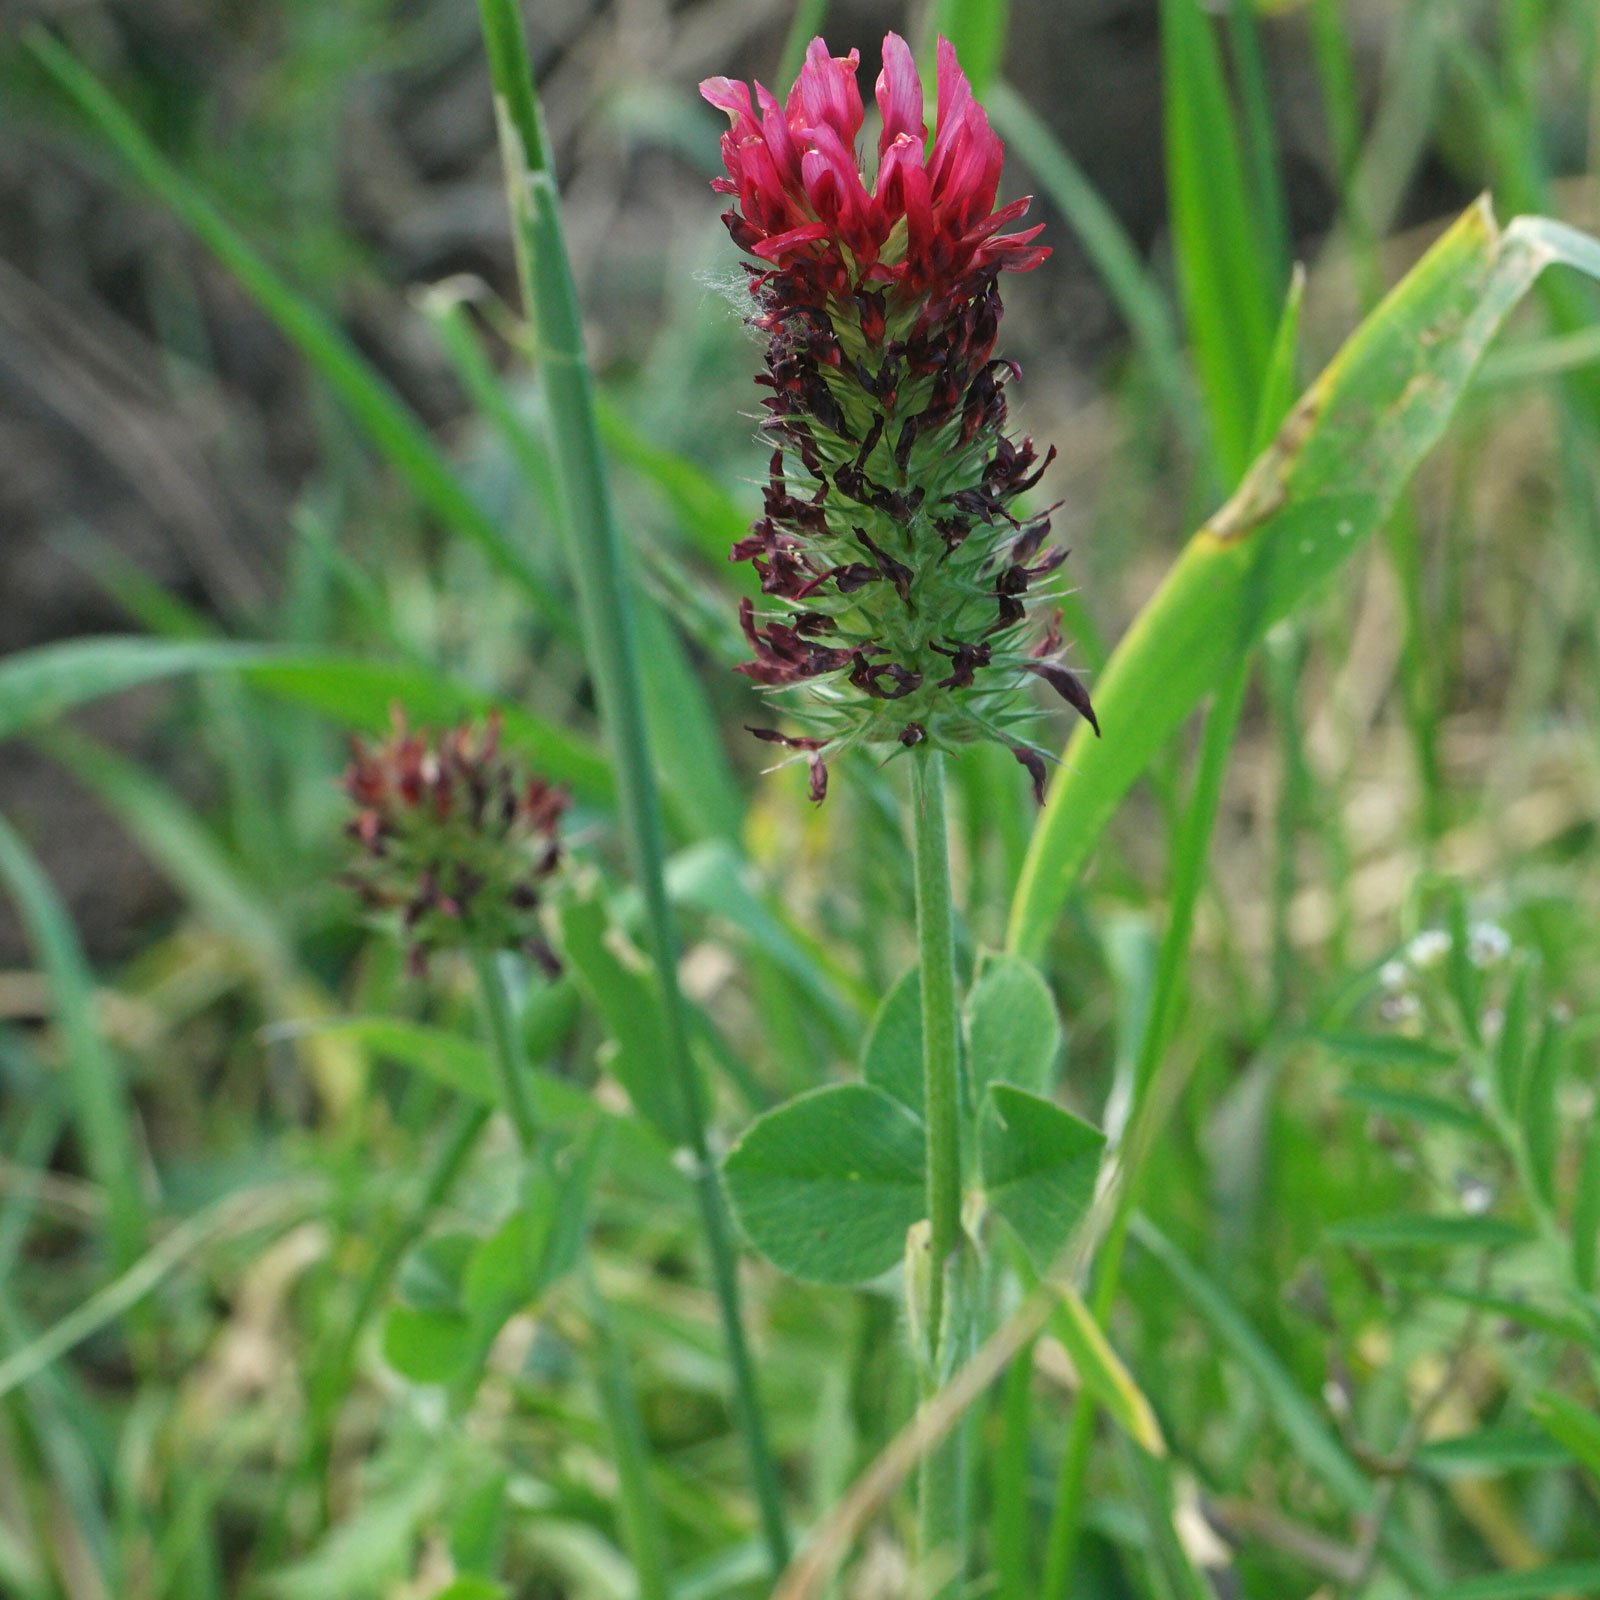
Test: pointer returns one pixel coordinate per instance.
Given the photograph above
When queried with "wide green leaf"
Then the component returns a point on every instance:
(431, 1337)
(1039, 1166)
(539, 1241)
(429, 1346)
(827, 1186)
(1326, 483)
(1013, 1031)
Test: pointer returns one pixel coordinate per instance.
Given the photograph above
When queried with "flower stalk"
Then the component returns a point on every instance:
(941, 1063)
(594, 552)
(940, 1488)
(516, 1082)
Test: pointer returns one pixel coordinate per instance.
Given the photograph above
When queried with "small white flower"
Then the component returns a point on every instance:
(1393, 975)
(1428, 949)
(1487, 943)
(1401, 1010)
(1476, 1196)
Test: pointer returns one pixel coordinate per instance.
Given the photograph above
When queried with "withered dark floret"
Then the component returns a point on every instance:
(455, 840)
(900, 585)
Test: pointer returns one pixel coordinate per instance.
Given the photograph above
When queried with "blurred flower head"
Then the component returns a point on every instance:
(903, 588)
(454, 840)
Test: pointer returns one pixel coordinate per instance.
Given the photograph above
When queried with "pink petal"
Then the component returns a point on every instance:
(781, 243)
(967, 174)
(1007, 213)
(762, 193)
(1013, 252)
(903, 191)
(780, 138)
(955, 96)
(832, 179)
(826, 95)
(899, 94)
(734, 98)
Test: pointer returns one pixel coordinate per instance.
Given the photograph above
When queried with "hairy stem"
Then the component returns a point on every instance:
(940, 1498)
(941, 1062)
(516, 1085)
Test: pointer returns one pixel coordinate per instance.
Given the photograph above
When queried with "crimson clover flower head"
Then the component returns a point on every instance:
(902, 588)
(454, 840)
(927, 229)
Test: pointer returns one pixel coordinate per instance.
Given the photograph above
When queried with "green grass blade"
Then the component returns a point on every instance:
(38, 685)
(101, 1103)
(1280, 381)
(1341, 90)
(809, 17)
(977, 28)
(1260, 136)
(605, 601)
(1228, 293)
(1104, 1378)
(1327, 483)
(391, 426)
(358, 694)
(1570, 1578)
(1151, 1480)
(688, 747)
(1009, 1519)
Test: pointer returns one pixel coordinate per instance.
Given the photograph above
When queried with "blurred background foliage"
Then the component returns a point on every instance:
(304, 443)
